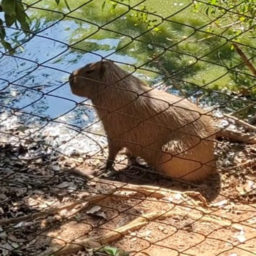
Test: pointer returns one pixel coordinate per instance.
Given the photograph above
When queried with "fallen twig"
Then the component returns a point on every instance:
(249, 163)
(242, 123)
(236, 136)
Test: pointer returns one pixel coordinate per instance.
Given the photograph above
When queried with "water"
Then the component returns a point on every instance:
(38, 75)
(34, 82)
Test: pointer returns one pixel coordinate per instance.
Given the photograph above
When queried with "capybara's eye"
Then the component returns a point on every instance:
(89, 71)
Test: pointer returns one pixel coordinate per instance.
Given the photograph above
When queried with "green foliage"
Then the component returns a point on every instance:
(234, 20)
(66, 3)
(141, 16)
(235, 16)
(14, 13)
(113, 251)
(2, 37)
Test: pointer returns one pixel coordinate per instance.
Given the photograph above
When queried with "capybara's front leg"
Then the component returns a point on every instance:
(113, 149)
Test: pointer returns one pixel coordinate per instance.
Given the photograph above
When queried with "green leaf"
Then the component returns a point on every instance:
(66, 2)
(110, 250)
(9, 7)
(57, 1)
(2, 30)
(207, 11)
(113, 251)
(22, 17)
(242, 18)
(9, 20)
(103, 5)
(7, 46)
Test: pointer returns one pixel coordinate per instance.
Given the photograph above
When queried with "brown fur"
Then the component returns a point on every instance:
(170, 133)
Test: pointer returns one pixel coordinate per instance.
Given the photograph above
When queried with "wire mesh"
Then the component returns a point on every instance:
(56, 199)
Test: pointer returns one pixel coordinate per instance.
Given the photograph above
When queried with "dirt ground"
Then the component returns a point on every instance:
(54, 205)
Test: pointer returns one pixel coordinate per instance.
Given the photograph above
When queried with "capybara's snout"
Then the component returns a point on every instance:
(71, 79)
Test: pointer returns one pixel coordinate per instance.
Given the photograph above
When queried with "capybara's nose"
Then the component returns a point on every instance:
(71, 78)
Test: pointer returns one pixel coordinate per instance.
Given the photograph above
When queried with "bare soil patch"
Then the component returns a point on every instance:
(56, 205)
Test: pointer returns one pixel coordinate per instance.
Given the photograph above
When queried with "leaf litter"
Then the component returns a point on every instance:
(49, 199)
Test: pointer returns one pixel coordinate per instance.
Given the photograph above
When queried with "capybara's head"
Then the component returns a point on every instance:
(90, 80)
(86, 81)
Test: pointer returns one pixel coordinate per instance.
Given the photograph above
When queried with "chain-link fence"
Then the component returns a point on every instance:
(164, 92)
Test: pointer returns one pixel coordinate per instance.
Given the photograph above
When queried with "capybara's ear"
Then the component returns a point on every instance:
(102, 69)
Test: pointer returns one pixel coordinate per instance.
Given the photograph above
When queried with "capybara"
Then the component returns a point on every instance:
(170, 133)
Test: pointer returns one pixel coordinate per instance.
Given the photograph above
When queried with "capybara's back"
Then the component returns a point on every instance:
(170, 133)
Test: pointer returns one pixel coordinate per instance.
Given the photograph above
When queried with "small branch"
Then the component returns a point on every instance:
(242, 123)
(241, 110)
(236, 136)
(249, 163)
(241, 53)
(245, 59)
